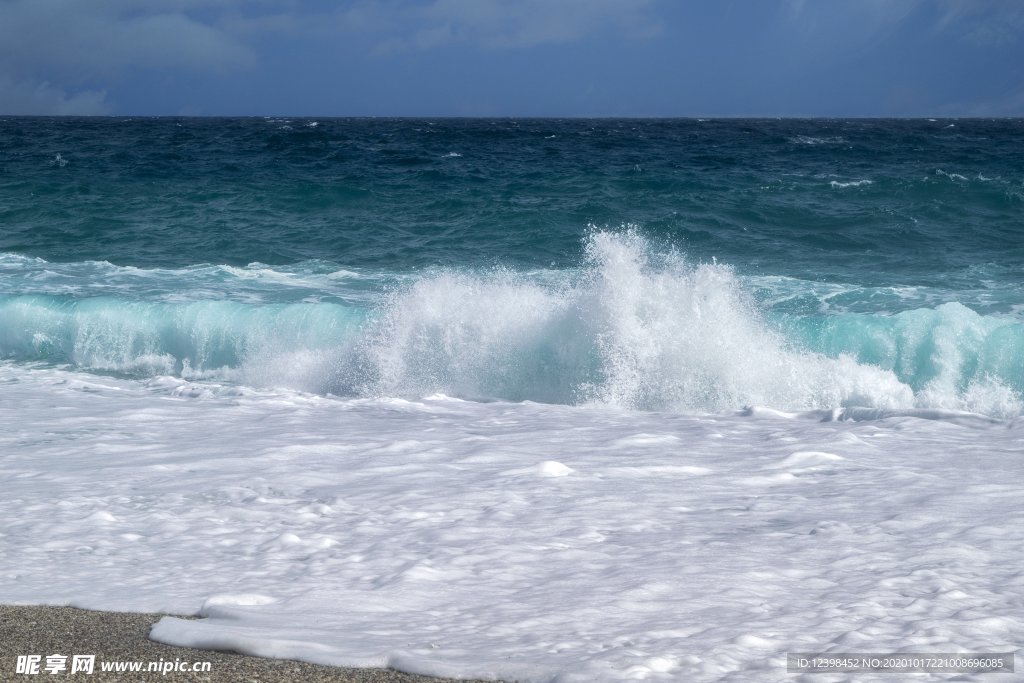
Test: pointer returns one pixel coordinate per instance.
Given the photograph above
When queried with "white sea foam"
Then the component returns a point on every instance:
(633, 328)
(851, 183)
(523, 541)
(812, 140)
(951, 176)
(634, 333)
(253, 283)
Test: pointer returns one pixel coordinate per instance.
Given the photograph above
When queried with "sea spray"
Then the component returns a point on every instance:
(635, 326)
(675, 336)
(495, 335)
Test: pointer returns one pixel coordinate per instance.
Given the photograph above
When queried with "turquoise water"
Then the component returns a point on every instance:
(659, 264)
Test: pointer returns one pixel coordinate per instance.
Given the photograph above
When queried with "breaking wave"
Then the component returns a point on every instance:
(634, 327)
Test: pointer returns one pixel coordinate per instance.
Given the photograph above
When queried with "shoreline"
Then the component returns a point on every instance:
(123, 637)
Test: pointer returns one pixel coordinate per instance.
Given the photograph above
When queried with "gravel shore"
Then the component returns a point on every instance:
(117, 636)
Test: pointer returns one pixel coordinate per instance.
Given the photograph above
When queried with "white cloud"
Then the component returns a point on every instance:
(525, 23)
(54, 52)
(860, 18)
(985, 23)
(19, 98)
(499, 24)
(90, 40)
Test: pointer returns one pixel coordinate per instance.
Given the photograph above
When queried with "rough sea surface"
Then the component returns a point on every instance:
(535, 399)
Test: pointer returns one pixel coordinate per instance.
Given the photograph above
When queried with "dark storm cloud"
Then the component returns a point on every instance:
(85, 44)
(512, 57)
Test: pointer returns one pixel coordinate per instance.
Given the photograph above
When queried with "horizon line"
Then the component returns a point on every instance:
(509, 117)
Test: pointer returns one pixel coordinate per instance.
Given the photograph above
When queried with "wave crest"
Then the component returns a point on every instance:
(635, 328)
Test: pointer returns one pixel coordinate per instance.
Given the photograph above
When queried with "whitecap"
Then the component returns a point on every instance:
(812, 140)
(951, 176)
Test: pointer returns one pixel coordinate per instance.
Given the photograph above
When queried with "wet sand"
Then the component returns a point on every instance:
(118, 636)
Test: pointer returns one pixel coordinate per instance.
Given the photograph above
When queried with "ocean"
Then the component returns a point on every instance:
(532, 399)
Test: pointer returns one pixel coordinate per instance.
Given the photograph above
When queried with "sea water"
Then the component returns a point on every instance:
(539, 399)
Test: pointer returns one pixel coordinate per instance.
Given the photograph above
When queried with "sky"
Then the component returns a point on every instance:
(557, 58)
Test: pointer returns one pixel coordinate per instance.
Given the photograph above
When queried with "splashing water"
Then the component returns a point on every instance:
(633, 327)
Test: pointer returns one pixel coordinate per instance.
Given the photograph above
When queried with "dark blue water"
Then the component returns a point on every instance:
(151, 246)
(771, 196)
